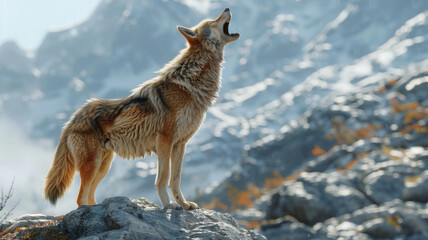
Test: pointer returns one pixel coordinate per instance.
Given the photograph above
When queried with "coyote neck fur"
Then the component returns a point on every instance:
(197, 71)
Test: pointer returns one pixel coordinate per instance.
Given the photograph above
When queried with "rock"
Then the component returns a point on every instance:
(394, 219)
(323, 163)
(378, 228)
(289, 230)
(417, 191)
(382, 186)
(315, 197)
(122, 218)
(26, 221)
(415, 87)
(13, 58)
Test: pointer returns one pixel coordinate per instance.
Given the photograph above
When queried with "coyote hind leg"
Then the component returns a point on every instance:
(102, 172)
(87, 155)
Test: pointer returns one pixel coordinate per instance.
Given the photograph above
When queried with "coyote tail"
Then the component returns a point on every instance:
(61, 173)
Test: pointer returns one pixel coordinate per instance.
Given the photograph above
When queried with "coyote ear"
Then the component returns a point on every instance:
(188, 33)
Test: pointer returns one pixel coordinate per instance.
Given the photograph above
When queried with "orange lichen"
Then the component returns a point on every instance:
(244, 199)
(395, 154)
(366, 132)
(415, 114)
(294, 176)
(348, 166)
(412, 112)
(274, 182)
(361, 155)
(329, 137)
(412, 109)
(343, 135)
(388, 85)
(353, 161)
(31, 230)
(237, 199)
(416, 127)
(398, 107)
(317, 150)
(412, 179)
(395, 222)
(215, 203)
(233, 194)
(382, 89)
(392, 82)
(255, 191)
(251, 225)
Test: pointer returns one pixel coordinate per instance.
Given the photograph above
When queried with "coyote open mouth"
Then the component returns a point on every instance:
(226, 28)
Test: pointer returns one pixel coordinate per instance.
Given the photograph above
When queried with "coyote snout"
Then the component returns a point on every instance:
(158, 117)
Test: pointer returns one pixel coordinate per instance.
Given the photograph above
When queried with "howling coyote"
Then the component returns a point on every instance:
(158, 117)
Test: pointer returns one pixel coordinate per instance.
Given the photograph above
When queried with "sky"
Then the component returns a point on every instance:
(27, 21)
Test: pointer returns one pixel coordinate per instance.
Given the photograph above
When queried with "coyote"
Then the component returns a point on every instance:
(159, 117)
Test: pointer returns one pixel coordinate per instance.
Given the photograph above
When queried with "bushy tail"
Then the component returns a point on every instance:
(61, 173)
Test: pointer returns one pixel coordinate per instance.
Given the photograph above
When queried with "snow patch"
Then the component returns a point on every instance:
(414, 83)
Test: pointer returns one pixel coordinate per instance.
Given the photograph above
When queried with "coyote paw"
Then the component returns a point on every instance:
(173, 205)
(190, 205)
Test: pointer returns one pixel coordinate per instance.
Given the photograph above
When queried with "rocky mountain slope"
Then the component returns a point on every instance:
(122, 218)
(353, 167)
(306, 85)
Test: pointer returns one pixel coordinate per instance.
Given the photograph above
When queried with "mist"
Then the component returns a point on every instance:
(24, 162)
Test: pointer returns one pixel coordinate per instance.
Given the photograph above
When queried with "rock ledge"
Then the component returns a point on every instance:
(122, 218)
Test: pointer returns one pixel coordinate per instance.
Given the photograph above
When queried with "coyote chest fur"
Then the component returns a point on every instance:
(160, 116)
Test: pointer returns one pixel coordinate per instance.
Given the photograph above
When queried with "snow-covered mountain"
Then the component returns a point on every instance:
(292, 56)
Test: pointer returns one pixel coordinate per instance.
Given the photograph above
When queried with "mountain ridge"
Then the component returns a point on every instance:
(295, 59)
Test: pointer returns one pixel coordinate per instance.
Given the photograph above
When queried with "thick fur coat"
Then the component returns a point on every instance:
(158, 117)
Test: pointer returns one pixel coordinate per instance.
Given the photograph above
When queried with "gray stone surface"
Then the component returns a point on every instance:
(122, 218)
(417, 191)
(396, 219)
(315, 197)
(289, 230)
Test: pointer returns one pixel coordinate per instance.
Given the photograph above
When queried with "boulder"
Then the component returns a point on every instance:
(316, 196)
(122, 218)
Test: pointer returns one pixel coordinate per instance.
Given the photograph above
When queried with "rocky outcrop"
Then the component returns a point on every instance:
(391, 220)
(122, 218)
(378, 197)
(364, 176)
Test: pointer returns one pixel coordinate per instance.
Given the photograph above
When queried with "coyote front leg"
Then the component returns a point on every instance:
(163, 149)
(175, 179)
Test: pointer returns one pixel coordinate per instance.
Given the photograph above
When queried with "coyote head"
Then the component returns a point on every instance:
(211, 34)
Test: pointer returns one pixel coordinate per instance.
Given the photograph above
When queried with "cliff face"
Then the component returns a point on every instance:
(122, 218)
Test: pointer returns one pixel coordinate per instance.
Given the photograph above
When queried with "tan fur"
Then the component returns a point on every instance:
(158, 117)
